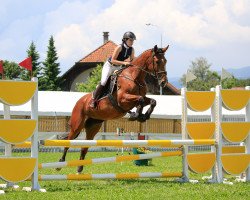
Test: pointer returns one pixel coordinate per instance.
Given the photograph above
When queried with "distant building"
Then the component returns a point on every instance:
(82, 69)
(238, 88)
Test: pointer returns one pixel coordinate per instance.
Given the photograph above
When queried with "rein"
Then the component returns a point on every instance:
(155, 75)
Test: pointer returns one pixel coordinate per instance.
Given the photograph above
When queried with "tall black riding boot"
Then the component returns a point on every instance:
(97, 93)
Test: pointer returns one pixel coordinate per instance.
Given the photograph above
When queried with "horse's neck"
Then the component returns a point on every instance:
(142, 59)
(140, 66)
(138, 73)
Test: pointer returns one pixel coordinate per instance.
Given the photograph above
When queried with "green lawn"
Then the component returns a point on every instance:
(127, 189)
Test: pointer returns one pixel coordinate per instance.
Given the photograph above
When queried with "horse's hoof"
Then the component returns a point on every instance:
(58, 169)
(79, 169)
(61, 160)
(133, 116)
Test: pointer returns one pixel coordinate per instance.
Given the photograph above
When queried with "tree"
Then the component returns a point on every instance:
(229, 83)
(35, 64)
(50, 80)
(11, 70)
(206, 78)
(91, 82)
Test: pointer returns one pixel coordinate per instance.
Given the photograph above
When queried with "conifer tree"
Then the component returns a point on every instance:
(50, 80)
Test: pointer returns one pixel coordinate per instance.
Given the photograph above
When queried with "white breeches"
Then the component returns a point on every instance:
(107, 70)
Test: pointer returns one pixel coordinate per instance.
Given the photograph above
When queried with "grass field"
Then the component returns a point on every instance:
(127, 189)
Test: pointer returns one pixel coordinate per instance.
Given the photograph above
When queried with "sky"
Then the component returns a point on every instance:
(218, 30)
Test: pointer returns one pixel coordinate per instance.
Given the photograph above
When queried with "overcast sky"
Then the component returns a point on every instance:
(218, 30)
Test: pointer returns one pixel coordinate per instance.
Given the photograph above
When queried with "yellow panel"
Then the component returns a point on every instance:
(200, 101)
(235, 131)
(16, 169)
(235, 99)
(235, 164)
(16, 92)
(233, 149)
(201, 130)
(201, 163)
(16, 131)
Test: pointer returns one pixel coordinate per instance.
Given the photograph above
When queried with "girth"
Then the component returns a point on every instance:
(115, 104)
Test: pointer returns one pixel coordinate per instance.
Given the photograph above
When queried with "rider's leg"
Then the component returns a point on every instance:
(97, 93)
(106, 71)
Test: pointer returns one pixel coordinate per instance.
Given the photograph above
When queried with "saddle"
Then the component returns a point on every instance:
(110, 87)
(111, 84)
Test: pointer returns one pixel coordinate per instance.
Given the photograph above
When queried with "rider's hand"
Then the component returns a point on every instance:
(127, 63)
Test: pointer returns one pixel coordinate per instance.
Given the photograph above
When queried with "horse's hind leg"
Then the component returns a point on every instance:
(62, 159)
(92, 126)
(76, 125)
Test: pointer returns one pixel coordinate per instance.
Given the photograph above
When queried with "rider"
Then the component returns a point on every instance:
(122, 55)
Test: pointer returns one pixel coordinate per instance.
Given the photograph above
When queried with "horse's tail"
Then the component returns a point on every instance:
(66, 134)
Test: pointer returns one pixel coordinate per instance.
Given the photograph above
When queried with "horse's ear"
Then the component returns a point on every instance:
(165, 49)
(155, 48)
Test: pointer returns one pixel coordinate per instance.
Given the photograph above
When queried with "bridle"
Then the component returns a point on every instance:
(155, 74)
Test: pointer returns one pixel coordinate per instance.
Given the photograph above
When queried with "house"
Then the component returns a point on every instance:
(82, 69)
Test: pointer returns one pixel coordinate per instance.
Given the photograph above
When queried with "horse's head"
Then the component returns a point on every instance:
(157, 65)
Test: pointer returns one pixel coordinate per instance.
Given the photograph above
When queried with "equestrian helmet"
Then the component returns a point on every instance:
(129, 35)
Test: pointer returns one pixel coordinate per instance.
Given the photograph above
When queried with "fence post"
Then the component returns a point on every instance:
(34, 138)
(247, 119)
(184, 135)
(218, 135)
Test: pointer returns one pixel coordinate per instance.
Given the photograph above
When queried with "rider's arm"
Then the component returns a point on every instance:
(115, 55)
(132, 55)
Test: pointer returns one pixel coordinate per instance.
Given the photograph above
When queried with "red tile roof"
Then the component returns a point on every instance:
(238, 88)
(100, 54)
(173, 89)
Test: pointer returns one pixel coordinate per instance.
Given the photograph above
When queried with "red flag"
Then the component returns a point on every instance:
(1, 67)
(27, 63)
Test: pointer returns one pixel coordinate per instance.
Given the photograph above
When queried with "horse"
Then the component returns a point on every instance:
(130, 92)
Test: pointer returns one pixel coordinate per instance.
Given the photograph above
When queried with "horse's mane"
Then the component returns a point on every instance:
(144, 52)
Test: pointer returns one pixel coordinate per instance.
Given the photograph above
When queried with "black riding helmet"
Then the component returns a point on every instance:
(128, 35)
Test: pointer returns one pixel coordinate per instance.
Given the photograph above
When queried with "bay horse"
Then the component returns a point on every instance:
(130, 93)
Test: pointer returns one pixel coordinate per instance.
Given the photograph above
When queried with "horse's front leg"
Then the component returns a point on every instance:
(135, 115)
(138, 100)
(146, 116)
